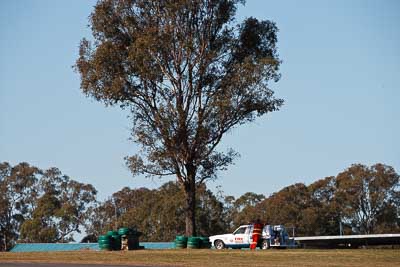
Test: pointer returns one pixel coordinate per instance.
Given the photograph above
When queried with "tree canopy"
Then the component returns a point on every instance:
(159, 213)
(369, 196)
(363, 199)
(325, 207)
(46, 206)
(40, 205)
(187, 73)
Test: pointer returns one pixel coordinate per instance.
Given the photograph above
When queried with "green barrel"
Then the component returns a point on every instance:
(205, 242)
(181, 241)
(104, 237)
(179, 244)
(193, 242)
(124, 231)
(105, 242)
(181, 238)
(111, 233)
(116, 242)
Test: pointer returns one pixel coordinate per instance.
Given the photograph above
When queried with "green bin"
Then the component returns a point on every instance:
(105, 242)
(205, 242)
(181, 241)
(124, 231)
(112, 232)
(116, 242)
(193, 242)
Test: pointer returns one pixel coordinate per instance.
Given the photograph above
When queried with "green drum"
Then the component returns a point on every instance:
(104, 237)
(124, 231)
(105, 242)
(116, 242)
(181, 238)
(111, 233)
(180, 245)
(205, 242)
(181, 241)
(193, 242)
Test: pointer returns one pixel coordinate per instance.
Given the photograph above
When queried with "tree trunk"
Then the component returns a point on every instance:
(190, 209)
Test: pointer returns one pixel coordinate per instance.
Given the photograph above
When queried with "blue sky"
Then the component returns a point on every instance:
(340, 81)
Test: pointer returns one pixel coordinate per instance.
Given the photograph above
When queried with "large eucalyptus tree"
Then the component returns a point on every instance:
(188, 74)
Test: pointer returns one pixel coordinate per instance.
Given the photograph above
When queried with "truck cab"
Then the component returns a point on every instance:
(240, 238)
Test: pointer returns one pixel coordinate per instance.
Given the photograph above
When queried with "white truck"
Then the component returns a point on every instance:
(272, 236)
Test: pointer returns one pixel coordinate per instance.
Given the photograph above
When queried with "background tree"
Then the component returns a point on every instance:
(42, 227)
(325, 207)
(188, 76)
(210, 213)
(243, 210)
(361, 199)
(40, 206)
(158, 213)
(370, 197)
(102, 216)
(61, 208)
(291, 207)
(17, 199)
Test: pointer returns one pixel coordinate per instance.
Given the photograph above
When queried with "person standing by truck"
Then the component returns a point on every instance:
(124, 243)
(257, 228)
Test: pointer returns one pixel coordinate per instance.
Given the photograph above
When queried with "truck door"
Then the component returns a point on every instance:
(241, 236)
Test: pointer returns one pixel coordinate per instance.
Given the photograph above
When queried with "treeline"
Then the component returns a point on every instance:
(360, 200)
(47, 206)
(41, 205)
(158, 213)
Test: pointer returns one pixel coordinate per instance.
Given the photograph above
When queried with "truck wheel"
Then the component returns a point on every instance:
(265, 244)
(219, 244)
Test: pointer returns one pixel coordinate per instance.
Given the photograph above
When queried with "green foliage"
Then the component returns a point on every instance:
(363, 199)
(188, 75)
(47, 206)
(17, 197)
(40, 206)
(290, 206)
(34, 230)
(305, 208)
(158, 214)
(316, 209)
(370, 198)
(242, 210)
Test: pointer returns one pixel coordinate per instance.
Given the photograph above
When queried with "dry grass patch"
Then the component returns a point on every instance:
(298, 257)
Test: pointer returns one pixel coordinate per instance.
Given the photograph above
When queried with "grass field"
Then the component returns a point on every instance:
(298, 257)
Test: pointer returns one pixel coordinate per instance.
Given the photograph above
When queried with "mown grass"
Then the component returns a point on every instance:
(298, 257)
